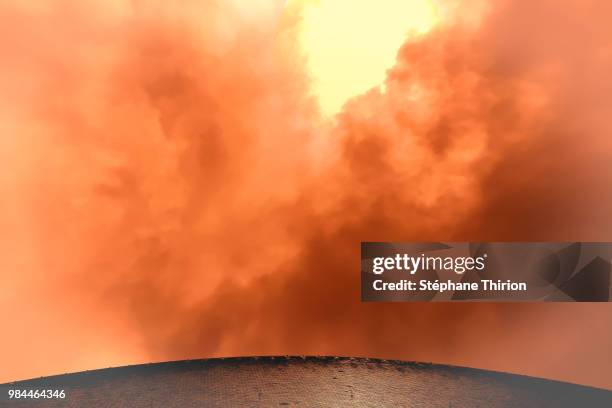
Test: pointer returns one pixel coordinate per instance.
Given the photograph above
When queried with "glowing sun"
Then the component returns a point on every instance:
(350, 44)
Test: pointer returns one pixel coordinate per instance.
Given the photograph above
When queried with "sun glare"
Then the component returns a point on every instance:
(350, 44)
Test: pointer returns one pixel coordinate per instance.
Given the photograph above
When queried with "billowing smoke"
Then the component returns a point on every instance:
(170, 190)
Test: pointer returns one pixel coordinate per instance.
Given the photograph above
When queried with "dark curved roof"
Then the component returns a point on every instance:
(305, 382)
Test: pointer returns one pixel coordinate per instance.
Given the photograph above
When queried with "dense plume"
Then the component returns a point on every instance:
(172, 192)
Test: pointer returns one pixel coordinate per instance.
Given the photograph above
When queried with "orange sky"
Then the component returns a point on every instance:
(184, 181)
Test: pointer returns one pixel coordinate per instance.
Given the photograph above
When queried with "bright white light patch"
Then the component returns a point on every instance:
(350, 44)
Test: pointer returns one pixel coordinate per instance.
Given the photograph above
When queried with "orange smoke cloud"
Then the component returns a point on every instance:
(174, 194)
